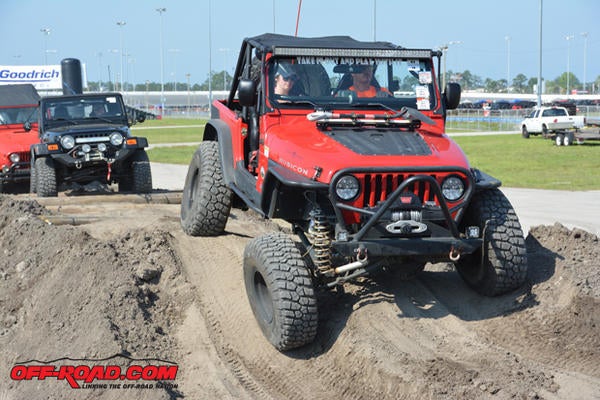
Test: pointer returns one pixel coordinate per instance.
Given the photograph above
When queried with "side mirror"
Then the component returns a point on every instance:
(27, 126)
(140, 117)
(247, 92)
(452, 95)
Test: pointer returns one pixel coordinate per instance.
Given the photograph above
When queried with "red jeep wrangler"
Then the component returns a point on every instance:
(345, 140)
(18, 131)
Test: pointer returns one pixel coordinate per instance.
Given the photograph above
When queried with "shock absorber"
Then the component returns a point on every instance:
(320, 235)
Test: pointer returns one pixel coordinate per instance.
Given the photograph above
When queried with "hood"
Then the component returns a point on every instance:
(301, 146)
(17, 140)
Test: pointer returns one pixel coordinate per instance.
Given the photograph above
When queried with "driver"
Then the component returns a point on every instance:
(285, 78)
(362, 83)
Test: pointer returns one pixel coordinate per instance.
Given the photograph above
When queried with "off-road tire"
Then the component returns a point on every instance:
(46, 183)
(280, 291)
(136, 174)
(524, 132)
(32, 179)
(141, 172)
(206, 201)
(500, 266)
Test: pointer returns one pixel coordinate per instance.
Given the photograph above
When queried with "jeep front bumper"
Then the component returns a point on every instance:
(433, 236)
(90, 154)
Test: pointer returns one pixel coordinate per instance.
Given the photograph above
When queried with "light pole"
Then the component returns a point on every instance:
(187, 76)
(121, 24)
(226, 51)
(161, 10)
(444, 49)
(174, 52)
(507, 38)
(99, 54)
(46, 33)
(585, 36)
(569, 38)
(114, 83)
(209, 57)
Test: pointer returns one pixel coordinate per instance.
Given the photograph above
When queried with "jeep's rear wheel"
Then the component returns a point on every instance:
(280, 291)
(45, 172)
(206, 201)
(501, 264)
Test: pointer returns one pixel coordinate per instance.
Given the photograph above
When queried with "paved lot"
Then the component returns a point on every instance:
(533, 206)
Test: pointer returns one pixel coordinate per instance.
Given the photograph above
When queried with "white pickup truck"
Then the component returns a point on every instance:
(545, 120)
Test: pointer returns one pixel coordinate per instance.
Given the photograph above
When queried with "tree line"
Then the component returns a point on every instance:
(221, 80)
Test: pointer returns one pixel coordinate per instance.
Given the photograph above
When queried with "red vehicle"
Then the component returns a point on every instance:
(367, 183)
(18, 131)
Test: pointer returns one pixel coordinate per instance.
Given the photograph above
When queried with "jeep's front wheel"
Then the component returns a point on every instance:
(206, 201)
(280, 291)
(500, 265)
(45, 177)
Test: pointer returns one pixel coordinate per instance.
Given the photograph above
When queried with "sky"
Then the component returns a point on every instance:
(491, 39)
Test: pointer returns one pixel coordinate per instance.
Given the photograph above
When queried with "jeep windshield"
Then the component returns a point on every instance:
(74, 110)
(346, 82)
(18, 115)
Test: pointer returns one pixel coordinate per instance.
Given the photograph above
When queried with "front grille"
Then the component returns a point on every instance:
(24, 156)
(377, 187)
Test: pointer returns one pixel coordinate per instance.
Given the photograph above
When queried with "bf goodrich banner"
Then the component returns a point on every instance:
(42, 77)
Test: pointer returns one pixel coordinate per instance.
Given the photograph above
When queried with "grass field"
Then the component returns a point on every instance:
(533, 163)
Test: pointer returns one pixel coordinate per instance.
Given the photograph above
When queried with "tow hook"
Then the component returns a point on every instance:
(109, 170)
(454, 254)
(78, 164)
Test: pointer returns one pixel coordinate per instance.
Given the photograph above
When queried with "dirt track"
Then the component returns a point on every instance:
(134, 284)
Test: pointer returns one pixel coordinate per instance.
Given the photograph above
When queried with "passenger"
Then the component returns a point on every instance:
(362, 83)
(285, 78)
(98, 110)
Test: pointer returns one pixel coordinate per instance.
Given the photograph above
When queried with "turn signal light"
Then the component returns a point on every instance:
(53, 146)
(132, 141)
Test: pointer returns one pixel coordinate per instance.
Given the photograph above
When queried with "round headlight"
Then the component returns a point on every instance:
(347, 187)
(67, 142)
(116, 139)
(453, 188)
(14, 158)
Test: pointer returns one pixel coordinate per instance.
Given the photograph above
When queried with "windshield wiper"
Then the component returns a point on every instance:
(100, 118)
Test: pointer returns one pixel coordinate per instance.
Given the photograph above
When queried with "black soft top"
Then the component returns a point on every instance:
(18, 95)
(270, 41)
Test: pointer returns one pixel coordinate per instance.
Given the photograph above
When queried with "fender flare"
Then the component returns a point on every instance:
(217, 130)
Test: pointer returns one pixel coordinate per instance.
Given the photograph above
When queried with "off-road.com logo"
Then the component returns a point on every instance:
(98, 376)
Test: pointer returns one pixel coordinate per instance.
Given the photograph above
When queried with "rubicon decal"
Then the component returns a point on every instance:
(154, 374)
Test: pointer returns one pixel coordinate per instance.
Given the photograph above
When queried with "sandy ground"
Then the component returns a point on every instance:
(125, 280)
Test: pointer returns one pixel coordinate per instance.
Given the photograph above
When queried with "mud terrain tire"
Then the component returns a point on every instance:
(32, 180)
(206, 201)
(280, 291)
(138, 175)
(45, 177)
(503, 265)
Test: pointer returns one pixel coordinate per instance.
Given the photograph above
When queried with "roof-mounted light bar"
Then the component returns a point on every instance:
(349, 53)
